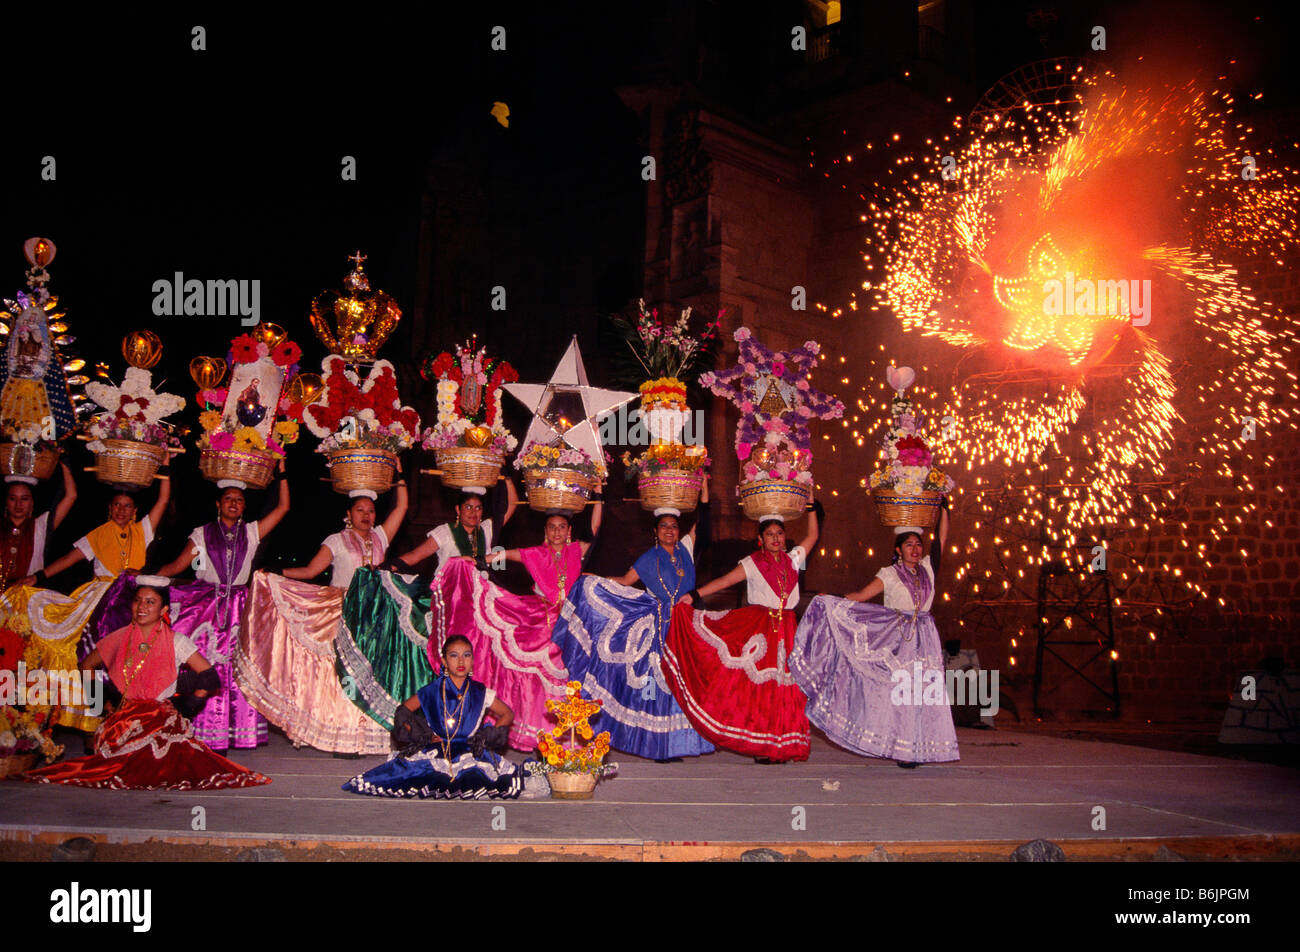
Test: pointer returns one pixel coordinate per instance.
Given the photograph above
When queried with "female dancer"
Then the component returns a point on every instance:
(511, 634)
(612, 637)
(146, 744)
(285, 661)
(870, 672)
(209, 609)
(394, 627)
(22, 547)
(68, 626)
(728, 669)
(445, 750)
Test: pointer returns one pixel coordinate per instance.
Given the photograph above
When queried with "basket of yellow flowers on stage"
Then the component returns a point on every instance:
(573, 768)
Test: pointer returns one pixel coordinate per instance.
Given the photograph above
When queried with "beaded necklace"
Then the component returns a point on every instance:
(453, 723)
(672, 599)
(129, 669)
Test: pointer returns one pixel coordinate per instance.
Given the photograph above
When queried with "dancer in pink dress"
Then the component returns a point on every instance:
(511, 634)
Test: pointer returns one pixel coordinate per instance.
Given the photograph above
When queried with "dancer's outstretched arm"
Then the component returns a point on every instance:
(874, 588)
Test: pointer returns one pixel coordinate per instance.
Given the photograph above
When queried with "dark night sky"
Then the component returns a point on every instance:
(225, 163)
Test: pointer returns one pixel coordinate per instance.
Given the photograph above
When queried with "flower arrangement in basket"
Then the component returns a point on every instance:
(244, 439)
(908, 490)
(25, 730)
(362, 425)
(773, 441)
(37, 379)
(669, 473)
(470, 440)
(573, 768)
(560, 477)
(129, 439)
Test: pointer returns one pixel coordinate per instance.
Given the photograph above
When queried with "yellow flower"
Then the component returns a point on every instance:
(247, 438)
(287, 431)
(210, 419)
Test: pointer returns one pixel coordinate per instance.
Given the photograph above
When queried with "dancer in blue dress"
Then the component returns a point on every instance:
(445, 751)
(612, 638)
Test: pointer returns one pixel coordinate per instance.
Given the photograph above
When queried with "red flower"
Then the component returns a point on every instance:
(243, 349)
(286, 353)
(434, 369)
(11, 649)
(409, 419)
(910, 443)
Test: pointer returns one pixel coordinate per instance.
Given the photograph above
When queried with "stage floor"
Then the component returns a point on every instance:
(1009, 787)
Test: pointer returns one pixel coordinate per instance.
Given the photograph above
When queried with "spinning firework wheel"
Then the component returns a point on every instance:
(1051, 83)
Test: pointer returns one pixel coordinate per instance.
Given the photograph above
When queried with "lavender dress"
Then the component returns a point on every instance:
(874, 675)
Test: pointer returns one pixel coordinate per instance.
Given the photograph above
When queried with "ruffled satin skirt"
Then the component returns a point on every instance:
(62, 628)
(212, 622)
(380, 648)
(147, 745)
(511, 637)
(610, 642)
(728, 672)
(874, 680)
(428, 774)
(286, 667)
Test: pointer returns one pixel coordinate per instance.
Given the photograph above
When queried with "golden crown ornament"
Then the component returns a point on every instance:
(355, 322)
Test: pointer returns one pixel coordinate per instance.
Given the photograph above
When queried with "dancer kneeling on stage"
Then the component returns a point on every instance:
(874, 675)
(728, 669)
(147, 744)
(445, 751)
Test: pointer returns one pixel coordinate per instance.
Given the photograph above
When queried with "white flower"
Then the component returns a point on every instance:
(7, 739)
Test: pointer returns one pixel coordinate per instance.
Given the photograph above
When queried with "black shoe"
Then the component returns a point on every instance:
(765, 760)
(348, 756)
(668, 760)
(907, 765)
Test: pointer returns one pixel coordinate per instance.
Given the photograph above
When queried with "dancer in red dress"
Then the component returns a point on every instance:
(728, 669)
(146, 744)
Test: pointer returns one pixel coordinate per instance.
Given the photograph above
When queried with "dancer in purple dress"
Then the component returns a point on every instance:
(208, 610)
(874, 675)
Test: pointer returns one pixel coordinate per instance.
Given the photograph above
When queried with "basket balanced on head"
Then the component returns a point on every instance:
(469, 441)
(773, 441)
(362, 425)
(129, 439)
(38, 379)
(669, 473)
(909, 488)
(563, 460)
(245, 439)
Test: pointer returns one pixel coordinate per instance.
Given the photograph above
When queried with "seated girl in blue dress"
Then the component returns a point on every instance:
(445, 751)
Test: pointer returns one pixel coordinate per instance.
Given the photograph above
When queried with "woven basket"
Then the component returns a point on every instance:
(16, 459)
(571, 786)
(254, 467)
(18, 763)
(469, 466)
(362, 469)
(764, 498)
(558, 488)
(671, 488)
(128, 462)
(897, 509)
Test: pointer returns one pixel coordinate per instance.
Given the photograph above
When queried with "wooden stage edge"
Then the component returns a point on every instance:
(1251, 847)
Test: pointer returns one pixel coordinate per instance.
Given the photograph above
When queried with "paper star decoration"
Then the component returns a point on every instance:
(567, 409)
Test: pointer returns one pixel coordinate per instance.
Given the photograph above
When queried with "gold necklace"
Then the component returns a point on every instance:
(129, 671)
(781, 592)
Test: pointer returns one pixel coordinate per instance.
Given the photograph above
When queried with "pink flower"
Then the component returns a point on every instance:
(812, 346)
(746, 406)
(742, 333)
(750, 368)
(778, 368)
(803, 410)
(221, 440)
(802, 384)
(751, 471)
(743, 450)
